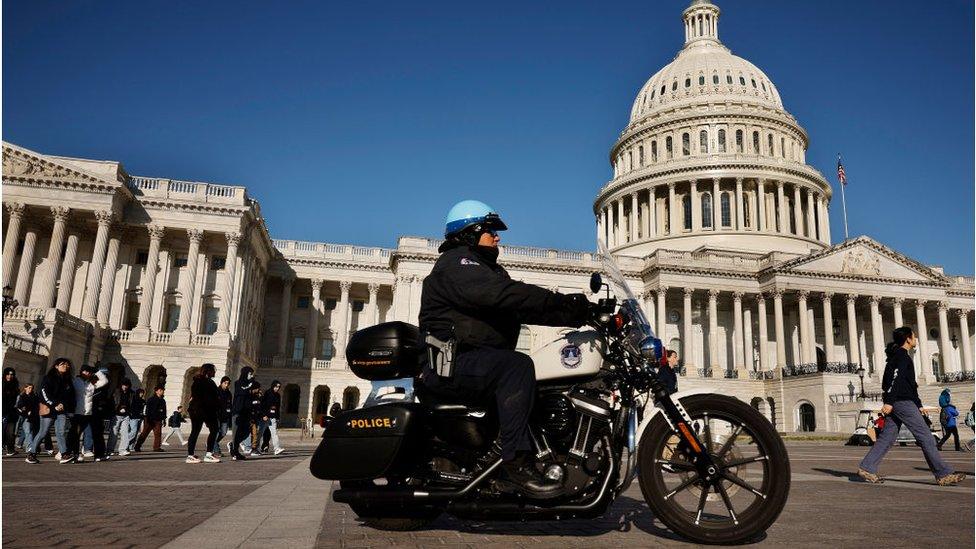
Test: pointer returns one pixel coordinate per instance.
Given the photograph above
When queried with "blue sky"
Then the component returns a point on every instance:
(356, 122)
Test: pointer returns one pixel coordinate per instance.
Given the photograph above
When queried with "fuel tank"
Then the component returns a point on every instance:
(573, 353)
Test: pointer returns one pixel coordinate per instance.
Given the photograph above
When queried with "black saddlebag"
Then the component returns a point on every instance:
(369, 442)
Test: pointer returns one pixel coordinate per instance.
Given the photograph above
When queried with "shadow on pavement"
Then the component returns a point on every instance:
(851, 476)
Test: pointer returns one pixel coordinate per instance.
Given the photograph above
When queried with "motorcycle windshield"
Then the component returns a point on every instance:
(620, 289)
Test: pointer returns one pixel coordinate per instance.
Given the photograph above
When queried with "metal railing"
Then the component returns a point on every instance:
(731, 374)
(955, 377)
(846, 398)
(796, 370)
(704, 372)
(766, 374)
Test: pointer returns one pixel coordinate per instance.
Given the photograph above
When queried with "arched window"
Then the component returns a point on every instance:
(742, 80)
(782, 147)
(669, 147)
(728, 79)
(738, 141)
(715, 79)
(686, 207)
(770, 143)
(726, 210)
(687, 82)
(721, 141)
(674, 85)
(663, 88)
(652, 94)
(685, 144)
(806, 418)
(350, 398)
(630, 160)
(653, 151)
(753, 82)
(706, 207)
(755, 142)
(701, 79)
(703, 142)
(746, 217)
(763, 85)
(640, 155)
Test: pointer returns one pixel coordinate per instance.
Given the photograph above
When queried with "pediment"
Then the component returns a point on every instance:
(24, 165)
(862, 258)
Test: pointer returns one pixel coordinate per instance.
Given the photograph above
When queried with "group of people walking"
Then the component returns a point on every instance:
(79, 406)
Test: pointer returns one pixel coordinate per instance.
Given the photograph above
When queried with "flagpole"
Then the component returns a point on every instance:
(843, 199)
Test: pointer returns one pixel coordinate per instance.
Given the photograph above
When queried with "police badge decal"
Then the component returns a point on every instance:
(571, 356)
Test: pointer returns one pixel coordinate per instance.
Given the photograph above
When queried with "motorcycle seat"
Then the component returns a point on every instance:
(444, 404)
(457, 409)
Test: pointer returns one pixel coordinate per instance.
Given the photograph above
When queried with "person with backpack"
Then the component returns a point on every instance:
(947, 417)
(174, 422)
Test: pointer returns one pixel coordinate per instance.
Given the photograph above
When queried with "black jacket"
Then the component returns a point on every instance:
(468, 295)
(242, 390)
(175, 420)
(103, 404)
(58, 389)
(898, 382)
(123, 406)
(271, 403)
(156, 409)
(204, 398)
(668, 376)
(225, 405)
(138, 409)
(11, 390)
(256, 407)
(27, 406)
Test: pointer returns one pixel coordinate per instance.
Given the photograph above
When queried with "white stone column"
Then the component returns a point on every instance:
(811, 223)
(761, 205)
(601, 225)
(90, 306)
(713, 361)
(688, 336)
(896, 305)
(828, 325)
(67, 273)
(696, 213)
(108, 280)
(748, 349)
(923, 366)
(853, 351)
(781, 209)
(645, 217)
(342, 330)
(948, 364)
(50, 282)
(647, 302)
(967, 350)
(633, 217)
(739, 225)
(797, 211)
(821, 218)
(189, 282)
(812, 330)
(763, 332)
(620, 232)
(156, 233)
(16, 212)
(716, 205)
(826, 220)
(284, 311)
(227, 288)
(26, 270)
(314, 311)
(373, 308)
(738, 349)
(662, 292)
(780, 329)
(673, 227)
(804, 325)
(877, 338)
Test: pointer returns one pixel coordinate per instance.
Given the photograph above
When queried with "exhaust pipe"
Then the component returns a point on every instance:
(404, 496)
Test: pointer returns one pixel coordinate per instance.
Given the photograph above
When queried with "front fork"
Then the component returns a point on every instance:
(680, 423)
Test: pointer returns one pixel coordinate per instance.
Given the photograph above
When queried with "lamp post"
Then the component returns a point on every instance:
(860, 374)
(8, 300)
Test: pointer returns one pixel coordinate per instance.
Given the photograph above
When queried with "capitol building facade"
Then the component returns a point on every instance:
(712, 213)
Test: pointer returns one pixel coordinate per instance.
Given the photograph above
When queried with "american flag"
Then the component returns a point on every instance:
(840, 172)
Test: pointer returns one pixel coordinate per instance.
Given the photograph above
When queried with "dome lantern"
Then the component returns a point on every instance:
(701, 22)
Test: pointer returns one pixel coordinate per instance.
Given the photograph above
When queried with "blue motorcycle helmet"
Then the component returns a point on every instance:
(472, 214)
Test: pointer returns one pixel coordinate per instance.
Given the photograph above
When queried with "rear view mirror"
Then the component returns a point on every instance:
(596, 282)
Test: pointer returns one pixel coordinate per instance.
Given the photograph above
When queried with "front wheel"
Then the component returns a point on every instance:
(754, 472)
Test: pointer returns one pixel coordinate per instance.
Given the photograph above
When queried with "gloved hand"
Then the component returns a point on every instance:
(582, 309)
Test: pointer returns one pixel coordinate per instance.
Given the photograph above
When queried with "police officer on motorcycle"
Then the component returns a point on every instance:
(470, 301)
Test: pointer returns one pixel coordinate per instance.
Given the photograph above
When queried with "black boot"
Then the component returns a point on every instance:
(521, 476)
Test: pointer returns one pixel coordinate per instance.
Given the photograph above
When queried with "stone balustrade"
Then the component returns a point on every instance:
(188, 190)
(325, 250)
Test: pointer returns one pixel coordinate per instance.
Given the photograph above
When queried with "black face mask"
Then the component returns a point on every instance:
(490, 253)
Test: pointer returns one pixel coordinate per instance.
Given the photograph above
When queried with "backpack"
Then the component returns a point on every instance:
(944, 417)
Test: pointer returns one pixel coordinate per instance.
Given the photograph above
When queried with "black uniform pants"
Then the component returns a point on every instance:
(506, 377)
(196, 425)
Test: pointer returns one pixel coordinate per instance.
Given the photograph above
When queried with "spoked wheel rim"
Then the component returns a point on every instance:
(743, 479)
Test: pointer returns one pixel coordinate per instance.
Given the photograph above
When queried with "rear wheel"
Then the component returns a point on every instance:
(390, 517)
(754, 472)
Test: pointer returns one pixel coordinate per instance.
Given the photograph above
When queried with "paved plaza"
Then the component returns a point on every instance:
(155, 500)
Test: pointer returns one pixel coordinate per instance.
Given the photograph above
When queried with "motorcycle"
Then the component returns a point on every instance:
(710, 467)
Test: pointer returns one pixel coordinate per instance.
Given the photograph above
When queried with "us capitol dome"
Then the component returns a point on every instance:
(711, 158)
